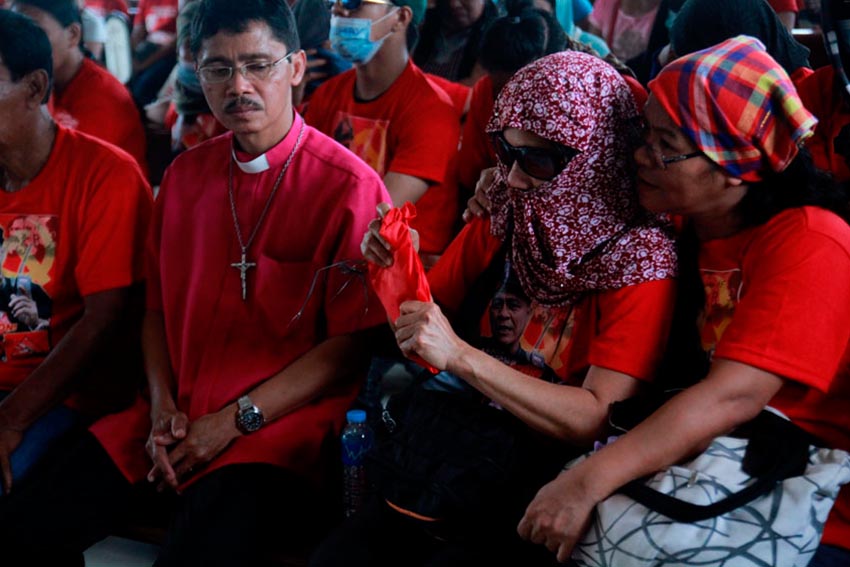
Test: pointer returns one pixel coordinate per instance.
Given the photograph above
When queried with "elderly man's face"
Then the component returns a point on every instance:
(252, 107)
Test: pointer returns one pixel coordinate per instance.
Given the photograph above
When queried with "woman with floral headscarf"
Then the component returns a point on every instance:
(771, 272)
(594, 266)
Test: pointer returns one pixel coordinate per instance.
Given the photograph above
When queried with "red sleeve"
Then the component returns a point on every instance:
(475, 150)
(638, 92)
(345, 308)
(793, 318)
(427, 137)
(459, 94)
(153, 283)
(632, 325)
(820, 97)
(783, 5)
(464, 260)
(113, 220)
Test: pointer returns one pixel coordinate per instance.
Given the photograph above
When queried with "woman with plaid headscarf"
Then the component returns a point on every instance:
(769, 275)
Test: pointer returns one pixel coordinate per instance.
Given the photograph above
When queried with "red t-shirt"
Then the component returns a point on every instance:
(821, 97)
(778, 298)
(458, 93)
(411, 129)
(77, 229)
(98, 104)
(221, 346)
(105, 7)
(624, 330)
(476, 152)
(157, 16)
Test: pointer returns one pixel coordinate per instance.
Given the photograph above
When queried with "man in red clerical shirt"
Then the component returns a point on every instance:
(251, 337)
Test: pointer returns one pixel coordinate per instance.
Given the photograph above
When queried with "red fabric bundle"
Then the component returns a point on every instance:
(405, 280)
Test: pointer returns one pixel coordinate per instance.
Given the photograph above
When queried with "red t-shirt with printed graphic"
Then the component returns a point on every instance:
(778, 299)
(98, 104)
(77, 229)
(411, 129)
(624, 330)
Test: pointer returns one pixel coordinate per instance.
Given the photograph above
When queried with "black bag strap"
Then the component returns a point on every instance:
(687, 512)
(777, 450)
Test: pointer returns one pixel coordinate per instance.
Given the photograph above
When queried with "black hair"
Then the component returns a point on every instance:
(434, 19)
(66, 12)
(513, 41)
(234, 16)
(25, 48)
(800, 184)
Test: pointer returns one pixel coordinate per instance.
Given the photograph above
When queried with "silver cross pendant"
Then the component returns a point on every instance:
(243, 268)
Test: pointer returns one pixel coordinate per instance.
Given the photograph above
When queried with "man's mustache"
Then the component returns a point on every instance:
(242, 103)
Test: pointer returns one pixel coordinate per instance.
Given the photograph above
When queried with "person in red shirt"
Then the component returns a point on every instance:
(825, 94)
(566, 238)
(390, 114)
(251, 334)
(86, 97)
(770, 282)
(73, 212)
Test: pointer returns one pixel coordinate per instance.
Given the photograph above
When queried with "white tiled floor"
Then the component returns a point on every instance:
(120, 552)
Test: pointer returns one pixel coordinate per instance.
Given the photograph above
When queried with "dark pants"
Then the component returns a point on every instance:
(378, 536)
(230, 517)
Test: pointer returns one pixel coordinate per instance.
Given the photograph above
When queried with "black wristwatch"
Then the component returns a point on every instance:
(249, 418)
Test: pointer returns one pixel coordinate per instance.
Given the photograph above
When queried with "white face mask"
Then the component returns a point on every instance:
(351, 38)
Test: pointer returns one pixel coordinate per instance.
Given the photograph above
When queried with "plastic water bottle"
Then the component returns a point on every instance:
(357, 439)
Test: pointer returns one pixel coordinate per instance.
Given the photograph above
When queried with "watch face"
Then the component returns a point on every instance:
(250, 420)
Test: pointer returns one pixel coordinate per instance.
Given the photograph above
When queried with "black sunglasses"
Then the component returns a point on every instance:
(542, 163)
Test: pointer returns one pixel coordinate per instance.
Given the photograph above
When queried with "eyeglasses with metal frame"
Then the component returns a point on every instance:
(254, 71)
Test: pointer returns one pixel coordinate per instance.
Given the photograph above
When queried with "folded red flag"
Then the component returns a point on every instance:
(405, 280)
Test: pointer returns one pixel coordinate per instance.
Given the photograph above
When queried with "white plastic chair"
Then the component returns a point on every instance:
(117, 51)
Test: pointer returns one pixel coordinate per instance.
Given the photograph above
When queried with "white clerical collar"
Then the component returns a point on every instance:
(257, 165)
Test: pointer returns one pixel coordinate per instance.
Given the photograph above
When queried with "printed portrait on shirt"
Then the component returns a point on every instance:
(365, 137)
(524, 335)
(722, 293)
(27, 257)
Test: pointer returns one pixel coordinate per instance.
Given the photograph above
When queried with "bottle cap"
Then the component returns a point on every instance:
(356, 416)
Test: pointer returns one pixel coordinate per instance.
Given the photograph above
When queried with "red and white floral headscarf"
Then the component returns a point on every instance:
(584, 230)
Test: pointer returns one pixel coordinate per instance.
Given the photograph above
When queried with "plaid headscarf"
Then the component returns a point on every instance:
(738, 105)
(583, 231)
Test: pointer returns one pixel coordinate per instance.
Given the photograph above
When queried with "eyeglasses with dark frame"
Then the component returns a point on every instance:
(641, 129)
(253, 71)
(352, 5)
(541, 163)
